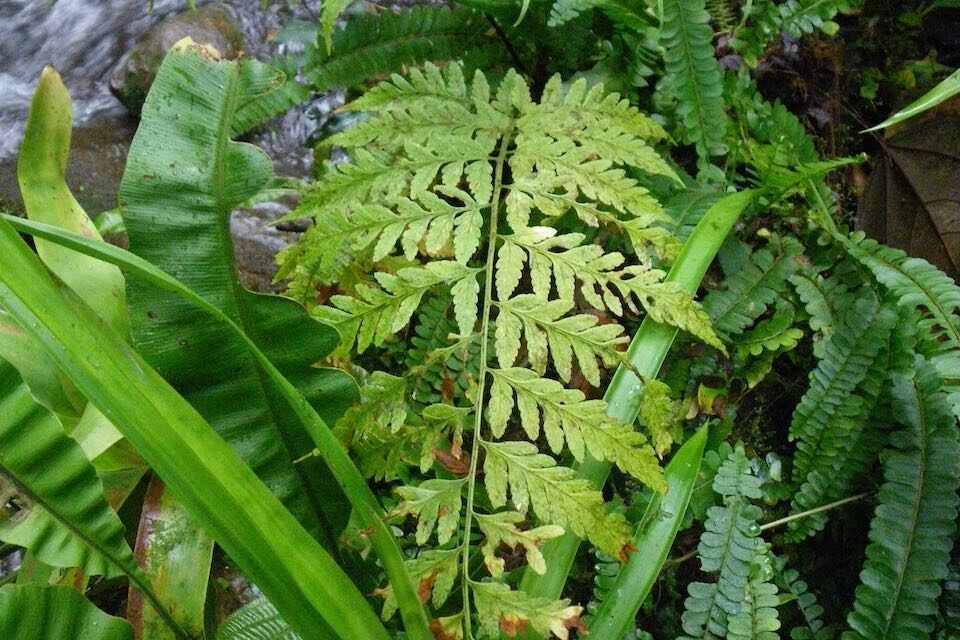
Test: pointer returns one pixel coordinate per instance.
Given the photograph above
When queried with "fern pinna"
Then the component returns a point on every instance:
(450, 195)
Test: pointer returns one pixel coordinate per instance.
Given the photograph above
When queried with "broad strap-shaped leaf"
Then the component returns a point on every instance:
(434, 503)
(503, 610)
(568, 417)
(534, 480)
(500, 529)
(64, 518)
(915, 520)
(47, 198)
(237, 509)
(183, 178)
(35, 612)
(173, 552)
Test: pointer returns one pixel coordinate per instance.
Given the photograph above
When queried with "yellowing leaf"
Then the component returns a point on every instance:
(435, 503)
(501, 529)
(500, 609)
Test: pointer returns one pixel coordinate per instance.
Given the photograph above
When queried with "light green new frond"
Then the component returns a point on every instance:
(500, 529)
(434, 573)
(502, 610)
(545, 329)
(568, 417)
(329, 12)
(379, 312)
(435, 503)
(533, 480)
(776, 333)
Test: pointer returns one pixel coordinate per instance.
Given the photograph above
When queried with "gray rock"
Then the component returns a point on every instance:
(209, 24)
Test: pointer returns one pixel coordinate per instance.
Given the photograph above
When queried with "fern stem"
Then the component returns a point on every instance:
(482, 374)
(810, 512)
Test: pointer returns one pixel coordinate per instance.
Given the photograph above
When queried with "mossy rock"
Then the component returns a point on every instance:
(209, 24)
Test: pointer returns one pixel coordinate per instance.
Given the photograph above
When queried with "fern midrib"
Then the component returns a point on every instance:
(482, 371)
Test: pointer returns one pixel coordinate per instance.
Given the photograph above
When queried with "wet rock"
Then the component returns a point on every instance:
(209, 24)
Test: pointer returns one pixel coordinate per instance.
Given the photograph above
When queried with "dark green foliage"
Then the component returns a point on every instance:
(768, 19)
(730, 547)
(915, 523)
(810, 611)
(750, 289)
(377, 44)
(832, 414)
(693, 76)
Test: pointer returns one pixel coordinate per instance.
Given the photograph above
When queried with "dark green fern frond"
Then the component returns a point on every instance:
(915, 521)
(722, 14)
(950, 600)
(729, 546)
(833, 413)
(767, 19)
(370, 45)
(757, 284)
(693, 76)
(810, 611)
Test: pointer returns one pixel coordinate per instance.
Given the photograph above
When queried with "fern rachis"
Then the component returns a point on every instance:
(468, 202)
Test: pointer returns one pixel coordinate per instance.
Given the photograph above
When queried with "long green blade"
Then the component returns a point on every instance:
(353, 483)
(33, 612)
(275, 552)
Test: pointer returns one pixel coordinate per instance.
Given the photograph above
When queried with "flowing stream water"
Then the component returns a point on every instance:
(86, 41)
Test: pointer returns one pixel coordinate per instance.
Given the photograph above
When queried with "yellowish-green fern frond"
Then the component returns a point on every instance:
(449, 195)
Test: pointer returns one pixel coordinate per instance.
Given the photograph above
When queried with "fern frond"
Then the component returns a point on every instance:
(568, 417)
(757, 284)
(380, 311)
(602, 283)
(370, 45)
(554, 493)
(810, 610)
(917, 285)
(776, 333)
(500, 529)
(757, 618)
(693, 75)
(855, 432)
(830, 398)
(546, 327)
(436, 367)
(728, 546)
(434, 573)
(329, 13)
(435, 503)
(915, 520)
(564, 11)
(382, 408)
(258, 620)
(503, 610)
(659, 414)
